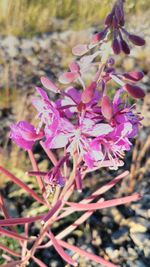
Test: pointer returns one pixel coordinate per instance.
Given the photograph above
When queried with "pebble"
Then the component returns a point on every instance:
(120, 235)
(141, 239)
(112, 252)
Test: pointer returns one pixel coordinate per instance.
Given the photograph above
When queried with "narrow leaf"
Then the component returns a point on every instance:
(21, 184)
(105, 204)
(52, 211)
(39, 262)
(17, 221)
(12, 234)
(10, 251)
(87, 254)
(60, 250)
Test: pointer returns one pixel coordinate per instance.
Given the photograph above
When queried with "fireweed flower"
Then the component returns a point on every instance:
(86, 121)
(92, 125)
(24, 134)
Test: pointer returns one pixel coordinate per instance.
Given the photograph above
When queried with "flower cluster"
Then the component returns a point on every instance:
(88, 122)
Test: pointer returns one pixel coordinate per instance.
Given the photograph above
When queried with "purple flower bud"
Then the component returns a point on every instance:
(88, 93)
(134, 75)
(80, 49)
(118, 13)
(137, 40)
(115, 22)
(124, 46)
(134, 91)
(116, 46)
(111, 61)
(98, 36)
(108, 20)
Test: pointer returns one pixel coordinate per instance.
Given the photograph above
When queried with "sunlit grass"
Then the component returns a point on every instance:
(24, 17)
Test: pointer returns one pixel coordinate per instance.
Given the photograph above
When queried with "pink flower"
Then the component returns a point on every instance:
(24, 134)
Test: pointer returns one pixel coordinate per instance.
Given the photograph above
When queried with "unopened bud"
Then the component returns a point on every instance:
(116, 46)
(124, 46)
(134, 91)
(137, 40)
(88, 93)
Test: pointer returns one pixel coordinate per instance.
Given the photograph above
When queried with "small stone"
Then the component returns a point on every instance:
(138, 224)
(132, 254)
(112, 253)
(120, 235)
(140, 239)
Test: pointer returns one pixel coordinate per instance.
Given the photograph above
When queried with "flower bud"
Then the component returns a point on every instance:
(124, 46)
(133, 75)
(88, 93)
(134, 91)
(49, 85)
(106, 107)
(116, 46)
(108, 20)
(137, 40)
(98, 36)
(80, 49)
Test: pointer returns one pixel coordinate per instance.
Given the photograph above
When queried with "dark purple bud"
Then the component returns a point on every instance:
(98, 36)
(134, 75)
(134, 91)
(118, 13)
(109, 19)
(124, 46)
(88, 93)
(137, 40)
(115, 22)
(116, 46)
(111, 61)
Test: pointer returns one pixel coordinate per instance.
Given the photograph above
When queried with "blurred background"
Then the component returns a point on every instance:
(36, 37)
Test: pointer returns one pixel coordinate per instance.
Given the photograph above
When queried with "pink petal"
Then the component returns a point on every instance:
(12, 234)
(80, 49)
(106, 107)
(105, 204)
(60, 250)
(49, 85)
(134, 91)
(74, 67)
(68, 77)
(101, 129)
(18, 221)
(59, 141)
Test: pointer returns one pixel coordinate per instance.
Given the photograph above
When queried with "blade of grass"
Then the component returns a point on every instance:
(22, 185)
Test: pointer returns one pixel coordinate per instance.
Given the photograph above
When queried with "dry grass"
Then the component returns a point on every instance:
(27, 17)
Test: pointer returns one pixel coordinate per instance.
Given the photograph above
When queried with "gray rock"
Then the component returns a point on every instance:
(141, 239)
(27, 47)
(112, 252)
(132, 254)
(120, 235)
(138, 224)
(10, 41)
